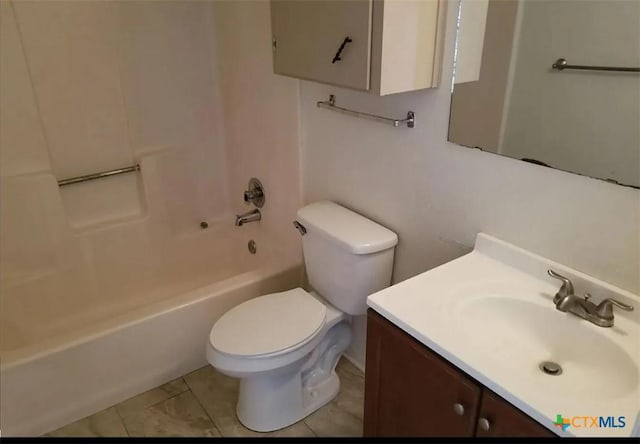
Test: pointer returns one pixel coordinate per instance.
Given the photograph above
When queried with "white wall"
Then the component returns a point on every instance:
(261, 119)
(186, 89)
(437, 195)
(582, 121)
(112, 83)
(86, 87)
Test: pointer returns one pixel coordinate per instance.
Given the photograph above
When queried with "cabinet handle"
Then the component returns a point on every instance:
(484, 424)
(458, 409)
(344, 43)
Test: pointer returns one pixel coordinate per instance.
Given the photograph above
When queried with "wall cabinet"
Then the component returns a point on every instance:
(411, 391)
(385, 46)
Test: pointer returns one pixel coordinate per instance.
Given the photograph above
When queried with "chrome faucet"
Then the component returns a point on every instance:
(566, 301)
(255, 193)
(250, 216)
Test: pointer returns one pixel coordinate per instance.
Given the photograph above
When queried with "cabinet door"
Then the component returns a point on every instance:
(410, 391)
(308, 34)
(498, 418)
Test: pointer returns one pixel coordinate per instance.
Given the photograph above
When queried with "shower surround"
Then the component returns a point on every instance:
(110, 287)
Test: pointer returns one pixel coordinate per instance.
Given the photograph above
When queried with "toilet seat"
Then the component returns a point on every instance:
(269, 325)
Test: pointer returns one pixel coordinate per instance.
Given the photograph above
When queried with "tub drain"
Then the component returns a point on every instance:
(550, 368)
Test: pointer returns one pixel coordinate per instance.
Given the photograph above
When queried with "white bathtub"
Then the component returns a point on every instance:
(69, 351)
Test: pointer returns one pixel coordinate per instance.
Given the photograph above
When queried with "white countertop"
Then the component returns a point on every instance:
(491, 314)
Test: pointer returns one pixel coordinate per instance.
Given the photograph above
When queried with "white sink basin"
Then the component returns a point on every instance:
(520, 335)
(491, 313)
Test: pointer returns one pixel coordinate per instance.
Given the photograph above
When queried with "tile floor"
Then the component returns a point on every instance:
(202, 403)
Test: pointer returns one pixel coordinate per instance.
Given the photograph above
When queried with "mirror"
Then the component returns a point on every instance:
(508, 99)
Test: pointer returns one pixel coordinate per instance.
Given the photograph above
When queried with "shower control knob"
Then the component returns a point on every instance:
(255, 193)
(249, 196)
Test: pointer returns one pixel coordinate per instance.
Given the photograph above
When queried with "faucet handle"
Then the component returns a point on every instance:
(255, 193)
(567, 285)
(605, 308)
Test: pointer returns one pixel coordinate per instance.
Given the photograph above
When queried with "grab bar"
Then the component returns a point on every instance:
(561, 64)
(331, 104)
(100, 175)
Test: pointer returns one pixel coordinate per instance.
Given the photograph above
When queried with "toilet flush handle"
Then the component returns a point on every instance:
(300, 227)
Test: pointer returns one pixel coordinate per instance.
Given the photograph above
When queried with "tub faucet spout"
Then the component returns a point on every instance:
(249, 216)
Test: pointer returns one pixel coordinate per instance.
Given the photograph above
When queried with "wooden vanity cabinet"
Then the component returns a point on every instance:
(505, 420)
(411, 391)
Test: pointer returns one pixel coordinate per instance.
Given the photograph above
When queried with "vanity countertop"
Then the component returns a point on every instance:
(491, 314)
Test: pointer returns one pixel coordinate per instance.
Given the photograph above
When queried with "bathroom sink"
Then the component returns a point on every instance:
(491, 314)
(521, 335)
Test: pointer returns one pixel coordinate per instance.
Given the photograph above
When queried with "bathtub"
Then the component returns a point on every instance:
(81, 339)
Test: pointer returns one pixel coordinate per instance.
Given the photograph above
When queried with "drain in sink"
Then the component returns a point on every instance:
(550, 368)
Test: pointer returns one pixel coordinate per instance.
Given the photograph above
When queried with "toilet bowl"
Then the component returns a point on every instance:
(284, 346)
(290, 374)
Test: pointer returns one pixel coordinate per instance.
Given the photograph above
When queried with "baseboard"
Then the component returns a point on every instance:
(359, 365)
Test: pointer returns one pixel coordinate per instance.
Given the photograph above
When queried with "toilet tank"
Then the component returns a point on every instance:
(347, 256)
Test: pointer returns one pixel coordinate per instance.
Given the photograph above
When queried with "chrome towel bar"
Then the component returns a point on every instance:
(561, 64)
(100, 175)
(331, 104)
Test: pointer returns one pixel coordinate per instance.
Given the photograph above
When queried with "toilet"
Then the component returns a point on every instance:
(284, 346)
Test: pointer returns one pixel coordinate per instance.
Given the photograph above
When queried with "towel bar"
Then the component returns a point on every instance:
(561, 64)
(331, 104)
(100, 175)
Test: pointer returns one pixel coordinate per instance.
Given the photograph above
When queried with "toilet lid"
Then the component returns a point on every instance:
(268, 324)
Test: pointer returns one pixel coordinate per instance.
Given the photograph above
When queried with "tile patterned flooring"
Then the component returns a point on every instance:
(203, 402)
